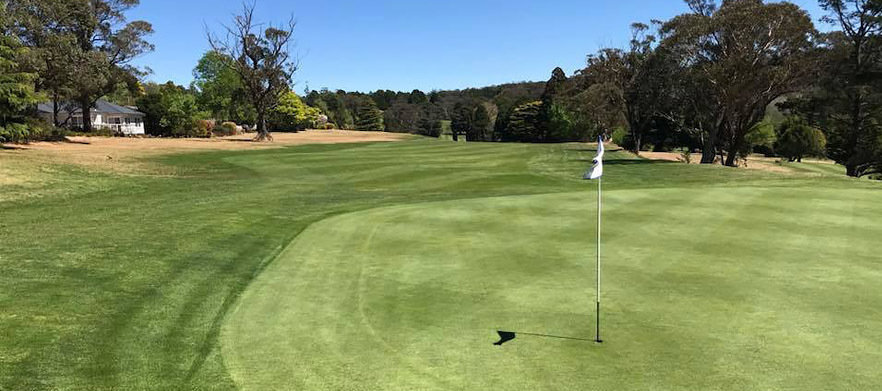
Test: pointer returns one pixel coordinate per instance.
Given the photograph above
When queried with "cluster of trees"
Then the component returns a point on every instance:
(67, 51)
(74, 52)
(734, 78)
(245, 78)
(478, 114)
(728, 79)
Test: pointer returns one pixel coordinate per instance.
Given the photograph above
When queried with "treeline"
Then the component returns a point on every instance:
(72, 53)
(471, 113)
(728, 79)
(736, 78)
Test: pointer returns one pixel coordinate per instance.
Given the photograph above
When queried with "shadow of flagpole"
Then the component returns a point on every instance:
(506, 336)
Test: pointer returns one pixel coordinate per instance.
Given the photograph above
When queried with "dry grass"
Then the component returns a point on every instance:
(29, 170)
(123, 155)
(754, 162)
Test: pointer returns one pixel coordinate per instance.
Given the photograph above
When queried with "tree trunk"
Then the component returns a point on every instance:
(263, 133)
(86, 109)
(455, 136)
(735, 145)
(730, 159)
(709, 149)
(55, 110)
(638, 143)
(851, 170)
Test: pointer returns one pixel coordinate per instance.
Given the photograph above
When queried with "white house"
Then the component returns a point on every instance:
(120, 119)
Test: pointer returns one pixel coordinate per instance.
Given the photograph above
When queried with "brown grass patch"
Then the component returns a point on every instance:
(123, 154)
(755, 162)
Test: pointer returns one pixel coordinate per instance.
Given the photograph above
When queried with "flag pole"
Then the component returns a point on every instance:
(597, 173)
(599, 208)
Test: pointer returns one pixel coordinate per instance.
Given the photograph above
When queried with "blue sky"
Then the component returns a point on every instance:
(359, 45)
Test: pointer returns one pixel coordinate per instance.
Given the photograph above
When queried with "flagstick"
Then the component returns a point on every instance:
(599, 205)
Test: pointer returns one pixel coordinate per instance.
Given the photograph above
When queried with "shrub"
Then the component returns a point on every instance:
(172, 111)
(226, 129)
(100, 131)
(330, 125)
(292, 115)
(208, 124)
(797, 139)
(760, 139)
(202, 128)
(685, 156)
(31, 129)
(620, 136)
(15, 133)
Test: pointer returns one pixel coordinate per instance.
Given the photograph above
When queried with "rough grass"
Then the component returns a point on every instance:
(124, 282)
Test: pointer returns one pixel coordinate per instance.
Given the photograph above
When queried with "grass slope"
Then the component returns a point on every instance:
(124, 282)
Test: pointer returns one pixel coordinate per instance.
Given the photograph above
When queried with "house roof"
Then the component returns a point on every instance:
(101, 106)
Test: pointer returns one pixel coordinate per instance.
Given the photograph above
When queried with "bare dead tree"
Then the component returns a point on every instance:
(262, 60)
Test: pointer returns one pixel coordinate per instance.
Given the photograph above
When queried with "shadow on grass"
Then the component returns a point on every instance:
(595, 149)
(506, 336)
(627, 162)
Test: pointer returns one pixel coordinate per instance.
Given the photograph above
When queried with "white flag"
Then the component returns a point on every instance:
(597, 170)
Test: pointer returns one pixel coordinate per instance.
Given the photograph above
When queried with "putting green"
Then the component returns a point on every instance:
(410, 297)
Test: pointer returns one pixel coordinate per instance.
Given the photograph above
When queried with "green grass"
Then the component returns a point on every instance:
(390, 266)
(816, 168)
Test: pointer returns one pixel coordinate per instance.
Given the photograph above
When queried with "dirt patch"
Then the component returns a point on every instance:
(667, 156)
(760, 163)
(122, 154)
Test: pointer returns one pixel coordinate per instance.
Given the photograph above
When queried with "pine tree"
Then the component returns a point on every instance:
(548, 124)
(461, 121)
(480, 125)
(523, 125)
(369, 117)
(16, 92)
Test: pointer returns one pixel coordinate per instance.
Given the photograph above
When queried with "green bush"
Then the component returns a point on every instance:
(797, 139)
(330, 125)
(760, 139)
(15, 133)
(620, 136)
(31, 130)
(292, 115)
(172, 111)
(226, 129)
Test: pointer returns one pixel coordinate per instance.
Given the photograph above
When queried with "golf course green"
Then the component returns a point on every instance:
(391, 266)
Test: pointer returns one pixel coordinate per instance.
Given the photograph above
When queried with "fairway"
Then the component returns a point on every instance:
(392, 265)
(410, 297)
